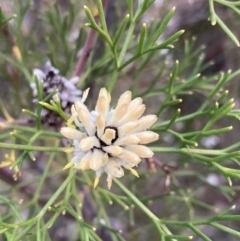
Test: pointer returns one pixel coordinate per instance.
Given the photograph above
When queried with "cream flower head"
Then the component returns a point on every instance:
(108, 139)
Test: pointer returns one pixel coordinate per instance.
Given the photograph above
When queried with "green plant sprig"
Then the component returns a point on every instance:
(143, 48)
(3, 19)
(215, 19)
(211, 221)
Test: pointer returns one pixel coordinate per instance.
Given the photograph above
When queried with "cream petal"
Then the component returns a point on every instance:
(113, 150)
(127, 128)
(99, 171)
(88, 143)
(108, 136)
(109, 181)
(77, 158)
(134, 103)
(73, 114)
(74, 118)
(85, 161)
(144, 123)
(140, 150)
(77, 122)
(79, 106)
(133, 115)
(100, 123)
(96, 159)
(85, 95)
(73, 110)
(125, 98)
(127, 140)
(105, 159)
(103, 92)
(76, 144)
(102, 105)
(130, 157)
(114, 169)
(117, 115)
(72, 134)
(147, 137)
(87, 123)
(121, 108)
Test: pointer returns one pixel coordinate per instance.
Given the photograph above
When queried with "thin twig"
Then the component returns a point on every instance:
(87, 48)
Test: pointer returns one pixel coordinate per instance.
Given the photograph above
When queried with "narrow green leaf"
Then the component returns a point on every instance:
(199, 233)
(187, 83)
(223, 110)
(65, 27)
(102, 16)
(166, 42)
(173, 77)
(227, 211)
(52, 220)
(90, 17)
(49, 96)
(142, 8)
(179, 237)
(94, 25)
(120, 30)
(198, 64)
(226, 229)
(39, 231)
(227, 218)
(223, 96)
(161, 28)
(237, 11)
(32, 157)
(173, 102)
(130, 9)
(3, 230)
(175, 116)
(227, 30)
(32, 114)
(217, 131)
(39, 86)
(142, 37)
(18, 136)
(48, 106)
(212, 12)
(223, 79)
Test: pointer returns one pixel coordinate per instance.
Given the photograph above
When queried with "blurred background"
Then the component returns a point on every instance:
(165, 184)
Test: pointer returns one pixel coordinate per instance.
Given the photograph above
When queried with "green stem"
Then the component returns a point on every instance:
(126, 42)
(56, 194)
(162, 229)
(227, 3)
(183, 118)
(43, 177)
(14, 234)
(30, 129)
(112, 81)
(191, 151)
(32, 148)
(212, 12)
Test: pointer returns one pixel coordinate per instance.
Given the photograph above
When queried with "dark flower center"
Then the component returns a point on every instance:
(112, 141)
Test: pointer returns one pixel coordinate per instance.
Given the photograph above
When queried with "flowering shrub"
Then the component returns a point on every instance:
(51, 132)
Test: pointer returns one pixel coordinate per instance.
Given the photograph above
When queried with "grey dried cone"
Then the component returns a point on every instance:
(67, 91)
